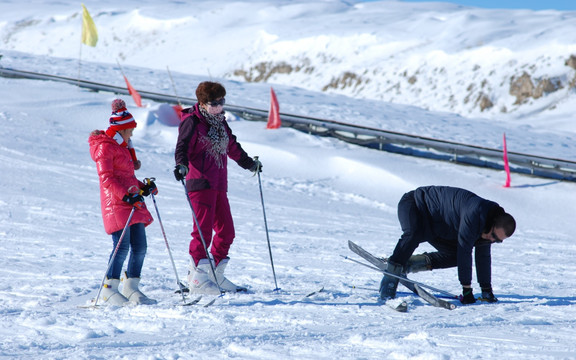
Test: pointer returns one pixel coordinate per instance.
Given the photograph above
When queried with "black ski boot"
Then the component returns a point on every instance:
(389, 284)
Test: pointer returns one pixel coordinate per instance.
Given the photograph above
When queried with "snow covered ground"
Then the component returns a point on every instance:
(319, 193)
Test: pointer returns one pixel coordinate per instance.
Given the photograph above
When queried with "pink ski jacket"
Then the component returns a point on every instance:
(116, 172)
(203, 172)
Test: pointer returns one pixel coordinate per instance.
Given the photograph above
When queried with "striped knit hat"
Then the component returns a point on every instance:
(121, 119)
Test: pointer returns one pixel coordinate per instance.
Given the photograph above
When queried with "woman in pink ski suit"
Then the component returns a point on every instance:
(205, 141)
(120, 193)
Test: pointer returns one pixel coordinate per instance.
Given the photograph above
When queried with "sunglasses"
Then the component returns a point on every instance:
(215, 103)
(495, 238)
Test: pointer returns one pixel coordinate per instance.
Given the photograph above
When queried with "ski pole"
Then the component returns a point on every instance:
(167, 246)
(402, 278)
(266, 226)
(114, 254)
(201, 237)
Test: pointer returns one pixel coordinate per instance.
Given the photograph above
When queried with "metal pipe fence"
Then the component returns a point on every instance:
(383, 140)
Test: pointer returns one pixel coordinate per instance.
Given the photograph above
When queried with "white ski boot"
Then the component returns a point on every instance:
(131, 291)
(110, 293)
(199, 279)
(224, 283)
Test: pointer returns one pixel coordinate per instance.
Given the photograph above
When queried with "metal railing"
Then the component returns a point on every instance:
(379, 139)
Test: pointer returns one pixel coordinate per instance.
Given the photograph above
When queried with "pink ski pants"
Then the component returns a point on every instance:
(213, 212)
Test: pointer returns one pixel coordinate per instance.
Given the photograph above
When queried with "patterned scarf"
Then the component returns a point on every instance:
(120, 140)
(217, 138)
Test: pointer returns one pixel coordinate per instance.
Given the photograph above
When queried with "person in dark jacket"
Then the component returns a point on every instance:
(205, 141)
(454, 221)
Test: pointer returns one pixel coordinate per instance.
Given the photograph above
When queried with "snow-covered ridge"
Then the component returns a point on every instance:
(438, 56)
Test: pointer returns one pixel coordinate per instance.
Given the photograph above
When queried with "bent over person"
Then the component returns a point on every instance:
(454, 221)
(205, 141)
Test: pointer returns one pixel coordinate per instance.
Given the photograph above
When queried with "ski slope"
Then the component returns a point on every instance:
(318, 192)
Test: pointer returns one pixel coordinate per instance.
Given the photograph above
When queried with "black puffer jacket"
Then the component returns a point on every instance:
(460, 217)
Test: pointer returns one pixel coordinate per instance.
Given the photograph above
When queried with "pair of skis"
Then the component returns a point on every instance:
(415, 286)
(185, 289)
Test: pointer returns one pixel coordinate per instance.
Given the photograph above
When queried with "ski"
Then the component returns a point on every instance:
(186, 289)
(211, 302)
(192, 302)
(312, 293)
(414, 286)
(90, 306)
(400, 306)
(382, 264)
(417, 288)
(93, 306)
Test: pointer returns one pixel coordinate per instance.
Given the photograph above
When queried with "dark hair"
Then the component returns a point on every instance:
(505, 221)
(209, 91)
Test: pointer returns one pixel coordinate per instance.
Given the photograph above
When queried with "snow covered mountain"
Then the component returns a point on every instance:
(475, 62)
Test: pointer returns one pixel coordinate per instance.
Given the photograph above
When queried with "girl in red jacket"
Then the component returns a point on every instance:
(205, 142)
(120, 192)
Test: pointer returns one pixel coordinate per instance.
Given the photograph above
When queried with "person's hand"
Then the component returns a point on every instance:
(488, 295)
(180, 172)
(467, 296)
(257, 167)
(149, 187)
(134, 199)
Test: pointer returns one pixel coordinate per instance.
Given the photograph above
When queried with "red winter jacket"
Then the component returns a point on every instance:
(116, 172)
(203, 172)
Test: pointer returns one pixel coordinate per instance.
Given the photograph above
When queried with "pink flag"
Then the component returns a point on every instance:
(274, 114)
(506, 166)
(178, 110)
(134, 93)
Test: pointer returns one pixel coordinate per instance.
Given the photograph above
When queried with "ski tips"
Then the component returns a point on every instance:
(193, 302)
(312, 293)
(209, 303)
(402, 307)
(89, 307)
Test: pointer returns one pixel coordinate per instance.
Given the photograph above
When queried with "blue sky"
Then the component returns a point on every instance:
(514, 4)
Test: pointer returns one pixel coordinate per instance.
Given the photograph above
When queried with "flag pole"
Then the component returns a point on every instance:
(506, 164)
(131, 91)
(120, 66)
(174, 86)
(79, 62)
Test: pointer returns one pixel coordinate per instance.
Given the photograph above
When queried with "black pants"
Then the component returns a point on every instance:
(416, 229)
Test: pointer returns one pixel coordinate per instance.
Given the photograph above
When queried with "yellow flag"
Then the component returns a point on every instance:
(89, 33)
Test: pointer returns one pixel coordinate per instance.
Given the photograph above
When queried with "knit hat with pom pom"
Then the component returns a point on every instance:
(121, 119)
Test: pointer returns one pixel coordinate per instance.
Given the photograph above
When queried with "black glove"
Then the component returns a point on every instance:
(256, 167)
(467, 296)
(135, 200)
(149, 188)
(488, 295)
(180, 172)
